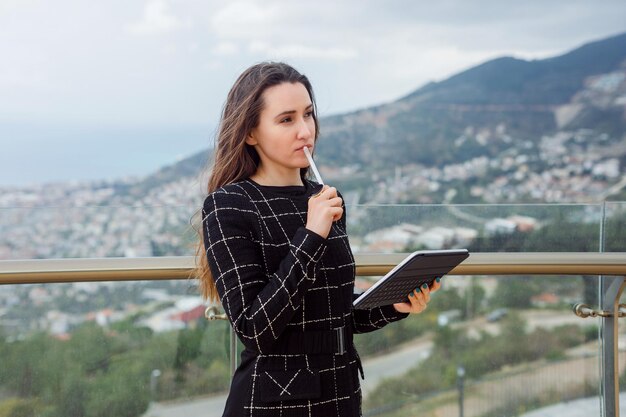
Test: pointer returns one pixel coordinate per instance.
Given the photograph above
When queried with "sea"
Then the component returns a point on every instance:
(40, 154)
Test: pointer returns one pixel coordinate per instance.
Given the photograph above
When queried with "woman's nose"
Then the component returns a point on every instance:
(304, 130)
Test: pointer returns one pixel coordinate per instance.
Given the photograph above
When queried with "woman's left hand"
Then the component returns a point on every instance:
(418, 299)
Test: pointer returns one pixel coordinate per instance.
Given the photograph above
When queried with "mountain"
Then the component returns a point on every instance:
(519, 96)
(485, 111)
(509, 80)
(185, 168)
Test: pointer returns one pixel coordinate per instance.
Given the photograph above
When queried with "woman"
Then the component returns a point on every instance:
(275, 251)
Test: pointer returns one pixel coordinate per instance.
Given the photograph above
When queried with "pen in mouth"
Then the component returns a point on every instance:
(318, 177)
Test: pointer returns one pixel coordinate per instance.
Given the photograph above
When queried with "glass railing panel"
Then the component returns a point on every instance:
(615, 241)
(621, 343)
(480, 228)
(144, 231)
(111, 348)
(96, 232)
(200, 388)
(614, 232)
(507, 345)
(513, 335)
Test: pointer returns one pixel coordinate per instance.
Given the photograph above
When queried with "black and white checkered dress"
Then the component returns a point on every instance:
(281, 285)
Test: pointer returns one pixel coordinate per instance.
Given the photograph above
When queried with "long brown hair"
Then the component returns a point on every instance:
(234, 159)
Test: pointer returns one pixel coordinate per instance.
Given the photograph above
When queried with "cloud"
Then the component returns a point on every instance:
(301, 51)
(280, 30)
(244, 20)
(193, 47)
(225, 48)
(156, 19)
(14, 78)
(56, 55)
(7, 6)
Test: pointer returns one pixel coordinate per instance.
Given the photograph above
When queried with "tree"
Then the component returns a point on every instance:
(515, 292)
(446, 299)
(25, 365)
(91, 348)
(473, 298)
(122, 392)
(71, 401)
(188, 346)
(18, 407)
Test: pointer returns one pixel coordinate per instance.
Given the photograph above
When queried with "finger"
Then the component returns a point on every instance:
(417, 303)
(412, 298)
(436, 285)
(425, 292)
(337, 213)
(335, 202)
(329, 192)
(319, 193)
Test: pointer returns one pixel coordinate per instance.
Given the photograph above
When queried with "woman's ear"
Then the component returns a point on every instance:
(250, 139)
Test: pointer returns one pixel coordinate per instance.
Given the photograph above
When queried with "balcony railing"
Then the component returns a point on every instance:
(504, 316)
(611, 267)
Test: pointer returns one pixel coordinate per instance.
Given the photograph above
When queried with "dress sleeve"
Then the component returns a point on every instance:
(258, 304)
(374, 318)
(370, 319)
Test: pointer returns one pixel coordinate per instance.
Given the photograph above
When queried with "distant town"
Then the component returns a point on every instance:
(90, 220)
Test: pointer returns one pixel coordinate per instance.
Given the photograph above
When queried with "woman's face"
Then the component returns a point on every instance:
(286, 126)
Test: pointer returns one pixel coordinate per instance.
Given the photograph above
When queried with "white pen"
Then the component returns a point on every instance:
(312, 163)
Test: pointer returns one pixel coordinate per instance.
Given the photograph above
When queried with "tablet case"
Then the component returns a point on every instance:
(416, 269)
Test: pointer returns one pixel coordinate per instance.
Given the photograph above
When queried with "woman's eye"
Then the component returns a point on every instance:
(308, 114)
(286, 120)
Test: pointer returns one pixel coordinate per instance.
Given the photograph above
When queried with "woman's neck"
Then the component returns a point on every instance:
(276, 179)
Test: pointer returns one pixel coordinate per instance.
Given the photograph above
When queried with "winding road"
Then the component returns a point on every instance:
(375, 368)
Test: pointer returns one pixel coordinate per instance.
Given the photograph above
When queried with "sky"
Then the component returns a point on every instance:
(120, 74)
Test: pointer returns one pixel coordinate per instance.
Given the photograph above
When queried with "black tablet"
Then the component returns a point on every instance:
(416, 269)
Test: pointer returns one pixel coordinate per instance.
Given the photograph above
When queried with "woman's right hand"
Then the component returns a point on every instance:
(324, 209)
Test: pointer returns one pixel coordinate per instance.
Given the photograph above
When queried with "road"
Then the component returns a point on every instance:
(384, 366)
(487, 396)
(583, 407)
(375, 369)
(394, 363)
(456, 211)
(203, 407)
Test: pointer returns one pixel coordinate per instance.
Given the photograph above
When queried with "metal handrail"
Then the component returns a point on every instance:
(44, 271)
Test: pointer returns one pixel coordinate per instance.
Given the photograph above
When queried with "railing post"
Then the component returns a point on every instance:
(611, 288)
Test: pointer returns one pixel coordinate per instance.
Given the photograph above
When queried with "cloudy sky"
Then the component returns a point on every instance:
(168, 64)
